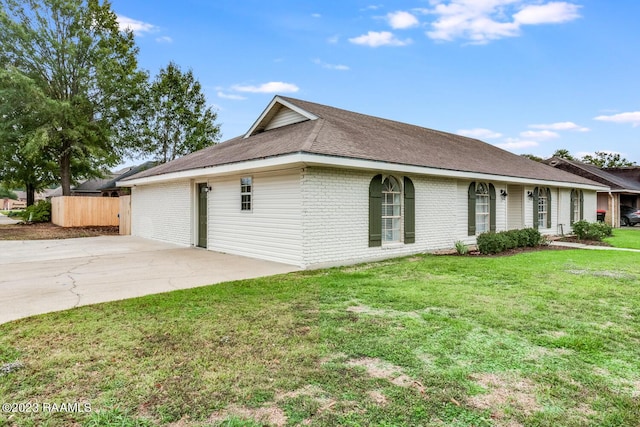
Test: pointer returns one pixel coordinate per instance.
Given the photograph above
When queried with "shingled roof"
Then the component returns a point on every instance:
(290, 126)
(594, 173)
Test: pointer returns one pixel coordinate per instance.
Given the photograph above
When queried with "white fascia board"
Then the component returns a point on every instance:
(274, 101)
(308, 159)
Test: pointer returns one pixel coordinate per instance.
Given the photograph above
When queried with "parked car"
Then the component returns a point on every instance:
(629, 215)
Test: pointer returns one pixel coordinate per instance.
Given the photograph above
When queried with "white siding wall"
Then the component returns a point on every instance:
(336, 217)
(162, 212)
(272, 230)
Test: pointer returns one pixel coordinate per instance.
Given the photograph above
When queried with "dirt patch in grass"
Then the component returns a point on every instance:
(573, 239)
(504, 391)
(377, 368)
(270, 415)
(48, 231)
(377, 397)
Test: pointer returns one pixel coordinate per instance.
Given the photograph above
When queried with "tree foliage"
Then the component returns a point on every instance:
(563, 153)
(176, 119)
(24, 118)
(86, 69)
(532, 157)
(603, 159)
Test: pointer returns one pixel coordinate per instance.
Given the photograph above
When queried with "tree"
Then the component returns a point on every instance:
(24, 120)
(176, 119)
(532, 157)
(7, 194)
(75, 53)
(563, 153)
(603, 159)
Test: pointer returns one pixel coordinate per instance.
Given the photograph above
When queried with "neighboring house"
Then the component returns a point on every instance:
(312, 185)
(109, 188)
(623, 189)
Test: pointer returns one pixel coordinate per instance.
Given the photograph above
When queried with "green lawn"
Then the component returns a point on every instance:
(627, 237)
(548, 338)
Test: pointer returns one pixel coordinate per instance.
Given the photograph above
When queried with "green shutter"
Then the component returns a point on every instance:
(471, 210)
(492, 208)
(375, 211)
(581, 205)
(573, 200)
(548, 207)
(409, 211)
(535, 208)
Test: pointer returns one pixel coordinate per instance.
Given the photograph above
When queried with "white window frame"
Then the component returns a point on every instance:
(576, 206)
(391, 211)
(246, 194)
(543, 207)
(483, 208)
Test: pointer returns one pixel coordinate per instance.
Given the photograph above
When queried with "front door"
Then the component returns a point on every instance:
(202, 215)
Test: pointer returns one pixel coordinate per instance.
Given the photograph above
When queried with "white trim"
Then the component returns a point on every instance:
(267, 111)
(307, 159)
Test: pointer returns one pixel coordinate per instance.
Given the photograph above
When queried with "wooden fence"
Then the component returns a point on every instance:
(77, 211)
(125, 215)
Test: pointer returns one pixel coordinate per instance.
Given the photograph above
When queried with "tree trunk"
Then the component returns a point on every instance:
(31, 194)
(65, 172)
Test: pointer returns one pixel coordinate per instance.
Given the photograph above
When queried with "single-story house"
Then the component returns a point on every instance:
(623, 189)
(313, 185)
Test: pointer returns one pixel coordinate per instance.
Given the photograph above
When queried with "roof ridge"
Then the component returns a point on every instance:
(313, 135)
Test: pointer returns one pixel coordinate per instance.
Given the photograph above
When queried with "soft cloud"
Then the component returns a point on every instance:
(138, 27)
(479, 133)
(164, 39)
(316, 15)
(270, 87)
(231, 96)
(550, 13)
(561, 126)
(481, 21)
(516, 144)
(631, 117)
(376, 39)
(401, 20)
(333, 39)
(338, 67)
(539, 134)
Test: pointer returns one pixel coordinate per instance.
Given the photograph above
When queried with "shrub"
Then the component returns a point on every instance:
(591, 230)
(493, 243)
(461, 248)
(38, 212)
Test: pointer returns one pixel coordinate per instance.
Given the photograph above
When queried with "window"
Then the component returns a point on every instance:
(481, 208)
(390, 210)
(387, 214)
(577, 203)
(246, 189)
(541, 207)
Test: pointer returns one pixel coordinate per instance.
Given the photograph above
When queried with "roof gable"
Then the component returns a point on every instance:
(277, 114)
(594, 173)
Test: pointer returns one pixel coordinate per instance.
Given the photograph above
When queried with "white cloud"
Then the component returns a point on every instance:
(401, 20)
(479, 133)
(372, 7)
(231, 96)
(376, 39)
(516, 144)
(539, 134)
(481, 21)
(561, 126)
(164, 39)
(550, 13)
(138, 27)
(270, 87)
(338, 67)
(316, 15)
(333, 39)
(631, 117)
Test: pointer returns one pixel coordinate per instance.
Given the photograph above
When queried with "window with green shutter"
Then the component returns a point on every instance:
(481, 208)
(409, 211)
(375, 211)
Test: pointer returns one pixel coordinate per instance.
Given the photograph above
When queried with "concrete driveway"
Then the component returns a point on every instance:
(40, 276)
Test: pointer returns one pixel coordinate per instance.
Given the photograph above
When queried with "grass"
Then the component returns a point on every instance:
(628, 237)
(548, 338)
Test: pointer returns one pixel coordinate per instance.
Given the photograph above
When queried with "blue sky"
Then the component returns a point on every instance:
(529, 76)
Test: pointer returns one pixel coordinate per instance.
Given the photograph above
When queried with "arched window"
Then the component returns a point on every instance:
(541, 207)
(481, 208)
(577, 205)
(391, 210)
(386, 214)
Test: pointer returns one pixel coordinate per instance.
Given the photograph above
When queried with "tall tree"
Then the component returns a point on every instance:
(24, 120)
(74, 51)
(603, 159)
(563, 153)
(532, 157)
(176, 119)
